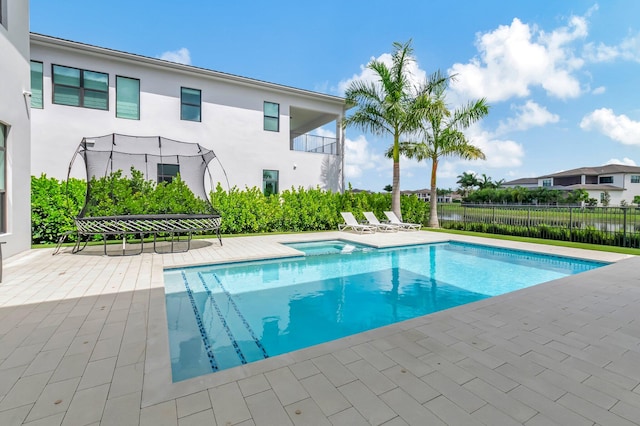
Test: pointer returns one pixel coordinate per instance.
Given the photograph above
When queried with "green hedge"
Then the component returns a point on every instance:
(248, 210)
(54, 205)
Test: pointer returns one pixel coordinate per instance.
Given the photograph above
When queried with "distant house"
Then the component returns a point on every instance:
(621, 182)
(424, 195)
(522, 182)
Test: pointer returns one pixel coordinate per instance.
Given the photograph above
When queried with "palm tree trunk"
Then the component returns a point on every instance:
(395, 194)
(433, 197)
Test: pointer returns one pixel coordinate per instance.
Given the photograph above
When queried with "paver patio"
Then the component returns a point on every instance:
(83, 340)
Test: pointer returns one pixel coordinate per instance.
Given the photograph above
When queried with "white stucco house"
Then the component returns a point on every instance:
(621, 182)
(15, 180)
(261, 132)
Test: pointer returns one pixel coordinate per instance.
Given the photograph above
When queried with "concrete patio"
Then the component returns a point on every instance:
(83, 340)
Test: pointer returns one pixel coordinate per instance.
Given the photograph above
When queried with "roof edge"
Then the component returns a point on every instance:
(44, 40)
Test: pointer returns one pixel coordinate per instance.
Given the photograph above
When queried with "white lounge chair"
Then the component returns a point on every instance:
(352, 223)
(404, 226)
(384, 227)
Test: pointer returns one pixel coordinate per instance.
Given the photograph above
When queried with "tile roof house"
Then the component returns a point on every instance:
(621, 182)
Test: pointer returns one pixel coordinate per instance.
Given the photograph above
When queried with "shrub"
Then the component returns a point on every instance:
(53, 206)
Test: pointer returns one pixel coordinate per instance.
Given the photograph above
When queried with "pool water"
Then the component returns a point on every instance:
(313, 248)
(222, 316)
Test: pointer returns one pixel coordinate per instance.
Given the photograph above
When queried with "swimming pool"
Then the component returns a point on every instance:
(221, 316)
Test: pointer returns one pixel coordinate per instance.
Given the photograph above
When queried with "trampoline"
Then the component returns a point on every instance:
(137, 166)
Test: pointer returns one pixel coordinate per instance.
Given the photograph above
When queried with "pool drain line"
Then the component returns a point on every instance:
(242, 318)
(222, 320)
(203, 331)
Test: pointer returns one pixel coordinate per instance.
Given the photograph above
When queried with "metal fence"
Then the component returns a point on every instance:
(617, 226)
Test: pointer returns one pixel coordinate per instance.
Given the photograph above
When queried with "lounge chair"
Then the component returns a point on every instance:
(352, 223)
(384, 227)
(404, 226)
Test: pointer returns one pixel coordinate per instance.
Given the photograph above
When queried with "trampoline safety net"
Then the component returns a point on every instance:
(158, 159)
(153, 163)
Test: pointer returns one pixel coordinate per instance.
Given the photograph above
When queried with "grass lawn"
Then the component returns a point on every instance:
(611, 249)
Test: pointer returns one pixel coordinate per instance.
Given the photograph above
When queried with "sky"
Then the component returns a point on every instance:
(562, 78)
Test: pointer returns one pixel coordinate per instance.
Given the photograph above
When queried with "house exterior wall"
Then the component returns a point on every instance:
(14, 115)
(231, 118)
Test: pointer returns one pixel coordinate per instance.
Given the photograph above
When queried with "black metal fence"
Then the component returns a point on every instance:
(617, 226)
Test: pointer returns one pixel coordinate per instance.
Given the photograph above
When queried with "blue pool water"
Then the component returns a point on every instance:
(221, 316)
(313, 248)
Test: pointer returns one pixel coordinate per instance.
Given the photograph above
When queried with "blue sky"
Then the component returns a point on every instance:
(562, 79)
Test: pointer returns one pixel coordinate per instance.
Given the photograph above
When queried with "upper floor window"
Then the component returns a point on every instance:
(547, 182)
(127, 98)
(271, 116)
(76, 87)
(635, 178)
(36, 85)
(190, 104)
(270, 182)
(167, 172)
(605, 179)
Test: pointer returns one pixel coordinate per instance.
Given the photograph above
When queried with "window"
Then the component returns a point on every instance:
(605, 179)
(271, 117)
(127, 98)
(36, 84)
(76, 87)
(3, 168)
(166, 172)
(270, 182)
(547, 182)
(3, 13)
(635, 178)
(190, 104)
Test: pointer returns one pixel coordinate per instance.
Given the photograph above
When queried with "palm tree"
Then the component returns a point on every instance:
(467, 182)
(498, 184)
(442, 134)
(485, 182)
(390, 106)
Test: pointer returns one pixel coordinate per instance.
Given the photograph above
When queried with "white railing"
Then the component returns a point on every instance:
(314, 143)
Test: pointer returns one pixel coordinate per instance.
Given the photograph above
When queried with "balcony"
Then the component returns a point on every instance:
(313, 143)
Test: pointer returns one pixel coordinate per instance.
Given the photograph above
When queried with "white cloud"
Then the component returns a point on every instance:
(599, 90)
(600, 52)
(513, 59)
(500, 154)
(180, 56)
(617, 127)
(527, 116)
(628, 49)
(625, 161)
(358, 157)
(416, 75)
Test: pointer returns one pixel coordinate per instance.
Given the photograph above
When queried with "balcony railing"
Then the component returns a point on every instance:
(314, 143)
